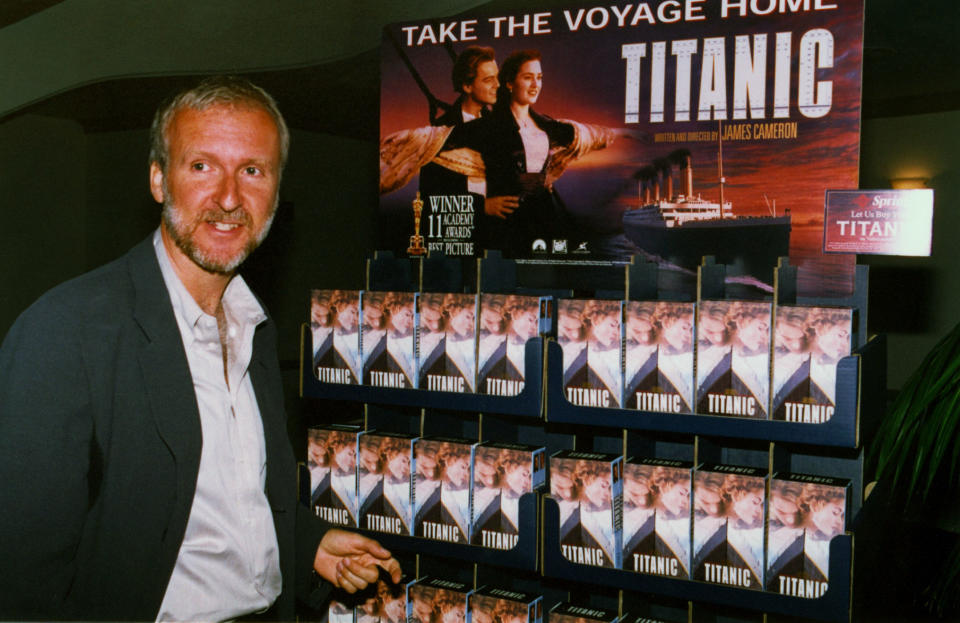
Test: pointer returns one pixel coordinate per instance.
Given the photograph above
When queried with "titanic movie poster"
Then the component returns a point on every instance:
(806, 512)
(447, 342)
(387, 337)
(335, 332)
(442, 488)
(733, 358)
(658, 356)
(590, 333)
(671, 130)
(569, 613)
(385, 482)
(588, 488)
(809, 342)
(490, 604)
(332, 461)
(729, 505)
(656, 516)
(502, 473)
(507, 323)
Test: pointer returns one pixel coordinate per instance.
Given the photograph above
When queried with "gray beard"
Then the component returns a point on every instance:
(180, 232)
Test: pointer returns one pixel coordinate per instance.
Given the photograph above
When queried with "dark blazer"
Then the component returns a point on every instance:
(100, 447)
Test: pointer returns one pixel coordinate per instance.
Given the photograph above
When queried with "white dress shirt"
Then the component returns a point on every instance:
(229, 562)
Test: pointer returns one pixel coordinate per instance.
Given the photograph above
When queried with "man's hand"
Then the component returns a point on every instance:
(351, 561)
(501, 207)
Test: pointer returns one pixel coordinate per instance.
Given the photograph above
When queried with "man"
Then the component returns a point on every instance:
(146, 470)
(474, 77)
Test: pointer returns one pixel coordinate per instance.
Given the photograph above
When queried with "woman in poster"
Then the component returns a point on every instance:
(523, 153)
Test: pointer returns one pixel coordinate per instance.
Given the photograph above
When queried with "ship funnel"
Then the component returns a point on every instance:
(681, 158)
(663, 177)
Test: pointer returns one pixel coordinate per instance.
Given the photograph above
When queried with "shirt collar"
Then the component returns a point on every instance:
(239, 304)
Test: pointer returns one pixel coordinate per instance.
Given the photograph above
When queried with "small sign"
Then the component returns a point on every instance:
(878, 222)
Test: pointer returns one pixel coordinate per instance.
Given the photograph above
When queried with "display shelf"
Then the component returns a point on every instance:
(528, 403)
(834, 605)
(842, 430)
(524, 554)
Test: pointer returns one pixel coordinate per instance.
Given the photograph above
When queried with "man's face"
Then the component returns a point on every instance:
(373, 317)
(369, 459)
(791, 336)
(713, 330)
(491, 320)
(430, 318)
(569, 328)
(485, 472)
(636, 491)
(708, 500)
(785, 509)
(639, 329)
(483, 89)
(220, 187)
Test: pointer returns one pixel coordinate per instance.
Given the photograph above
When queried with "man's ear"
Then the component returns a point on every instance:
(156, 182)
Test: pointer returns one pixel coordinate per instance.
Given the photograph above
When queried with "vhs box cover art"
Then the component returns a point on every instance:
(806, 512)
(335, 330)
(658, 356)
(733, 358)
(442, 488)
(385, 482)
(588, 487)
(384, 601)
(341, 609)
(502, 472)
(656, 516)
(728, 519)
(447, 342)
(564, 612)
(332, 462)
(808, 344)
(507, 323)
(490, 605)
(590, 333)
(431, 599)
(387, 339)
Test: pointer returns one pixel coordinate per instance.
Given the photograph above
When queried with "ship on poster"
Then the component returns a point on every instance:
(653, 129)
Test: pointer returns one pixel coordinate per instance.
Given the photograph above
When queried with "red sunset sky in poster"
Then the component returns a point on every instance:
(585, 79)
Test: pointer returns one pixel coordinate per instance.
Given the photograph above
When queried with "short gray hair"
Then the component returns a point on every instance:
(230, 90)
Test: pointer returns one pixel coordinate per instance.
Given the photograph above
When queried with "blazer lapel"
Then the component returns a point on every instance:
(168, 384)
(268, 388)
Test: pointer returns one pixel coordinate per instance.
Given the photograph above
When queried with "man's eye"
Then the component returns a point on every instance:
(252, 171)
(199, 166)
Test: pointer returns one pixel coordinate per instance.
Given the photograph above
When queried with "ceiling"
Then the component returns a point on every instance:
(909, 68)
